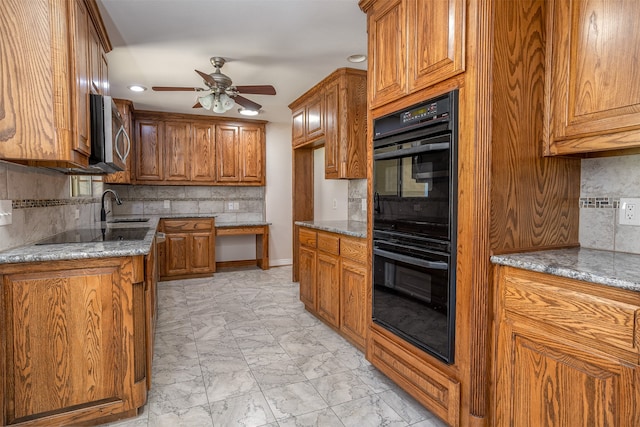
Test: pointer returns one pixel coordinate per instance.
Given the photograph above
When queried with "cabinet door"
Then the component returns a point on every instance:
(314, 118)
(201, 253)
(545, 382)
(328, 287)
(176, 251)
(177, 151)
(227, 153)
(123, 177)
(593, 53)
(251, 154)
(95, 57)
(298, 135)
(435, 31)
(387, 52)
(64, 341)
(82, 141)
(203, 160)
(307, 276)
(149, 150)
(353, 281)
(332, 133)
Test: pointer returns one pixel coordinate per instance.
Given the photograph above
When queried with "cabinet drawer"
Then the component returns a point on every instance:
(573, 307)
(176, 225)
(307, 237)
(354, 249)
(329, 243)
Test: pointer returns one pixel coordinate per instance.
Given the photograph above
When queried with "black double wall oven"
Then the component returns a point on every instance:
(414, 224)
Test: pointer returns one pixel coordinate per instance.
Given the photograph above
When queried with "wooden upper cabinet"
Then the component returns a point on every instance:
(125, 107)
(54, 59)
(183, 149)
(177, 151)
(203, 158)
(413, 44)
(435, 40)
(227, 153)
(308, 120)
(148, 149)
(82, 141)
(252, 154)
(334, 113)
(593, 90)
(387, 52)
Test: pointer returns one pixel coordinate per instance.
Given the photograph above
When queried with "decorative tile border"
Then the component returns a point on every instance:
(47, 203)
(599, 202)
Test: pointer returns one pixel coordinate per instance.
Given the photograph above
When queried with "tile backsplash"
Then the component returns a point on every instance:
(42, 204)
(603, 182)
(357, 193)
(229, 204)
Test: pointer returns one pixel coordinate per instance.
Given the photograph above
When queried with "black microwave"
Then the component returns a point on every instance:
(110, 143)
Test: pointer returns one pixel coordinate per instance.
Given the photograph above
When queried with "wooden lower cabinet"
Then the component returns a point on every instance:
(73, 341)
(332, 274)
(566, 352)
(189, 247)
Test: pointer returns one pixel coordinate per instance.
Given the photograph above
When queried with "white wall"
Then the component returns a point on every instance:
(326, 192)
(278, 193)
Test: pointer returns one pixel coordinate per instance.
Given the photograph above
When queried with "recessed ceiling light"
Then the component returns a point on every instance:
(357, 58)
(137, 88)
(248, 112)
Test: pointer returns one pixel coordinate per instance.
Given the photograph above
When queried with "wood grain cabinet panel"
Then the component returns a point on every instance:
(413, 44)
(251, 154)
(75, 341)
(203, 159)
(198, 150)
(189, 248)
(227, 140)
(298, 135)
(148, 149)
(125, 107)
(333, 275)
(566, 352)
(593, 101)
(177, 151)
(57, 61)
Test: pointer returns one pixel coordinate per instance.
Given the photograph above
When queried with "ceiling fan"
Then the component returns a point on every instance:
(222, 93)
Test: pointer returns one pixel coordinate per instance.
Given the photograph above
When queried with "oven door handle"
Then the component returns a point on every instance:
(434, 265)
(405, 152)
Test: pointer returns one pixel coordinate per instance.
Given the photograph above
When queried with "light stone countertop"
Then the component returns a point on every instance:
(617, 269)
(348, 228)
(69, 251)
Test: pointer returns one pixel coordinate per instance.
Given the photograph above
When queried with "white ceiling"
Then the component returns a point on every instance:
(290, 44)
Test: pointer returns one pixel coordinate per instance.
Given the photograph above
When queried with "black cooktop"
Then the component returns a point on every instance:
(87, 235)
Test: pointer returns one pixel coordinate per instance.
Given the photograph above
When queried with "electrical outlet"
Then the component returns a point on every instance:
(167, 204)
(236, 206)
(629, 211)
(77, 213)
(335, 204)
(6, 212)
(230, 206)
(364, 205)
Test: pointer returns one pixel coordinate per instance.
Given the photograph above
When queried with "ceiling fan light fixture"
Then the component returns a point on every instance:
(248, 112)
(206, 101)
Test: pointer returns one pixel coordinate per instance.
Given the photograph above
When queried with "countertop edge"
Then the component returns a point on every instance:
(347, 228)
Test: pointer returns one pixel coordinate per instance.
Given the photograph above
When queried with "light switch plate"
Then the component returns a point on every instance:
(6, 212)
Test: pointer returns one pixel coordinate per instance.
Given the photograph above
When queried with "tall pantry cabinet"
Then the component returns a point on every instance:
(510, 197)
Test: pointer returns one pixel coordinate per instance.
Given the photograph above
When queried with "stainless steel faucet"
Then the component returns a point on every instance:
(103, 213)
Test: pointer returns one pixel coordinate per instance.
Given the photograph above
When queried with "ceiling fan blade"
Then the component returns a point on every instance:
(247, 103)
(207, 78)
(257, 89)
(178, 89)
(197, 105)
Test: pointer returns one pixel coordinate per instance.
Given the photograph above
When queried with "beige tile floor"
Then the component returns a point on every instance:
(238, 349)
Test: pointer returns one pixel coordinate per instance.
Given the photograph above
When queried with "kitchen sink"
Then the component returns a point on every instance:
(119, 220)
(88, 235)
